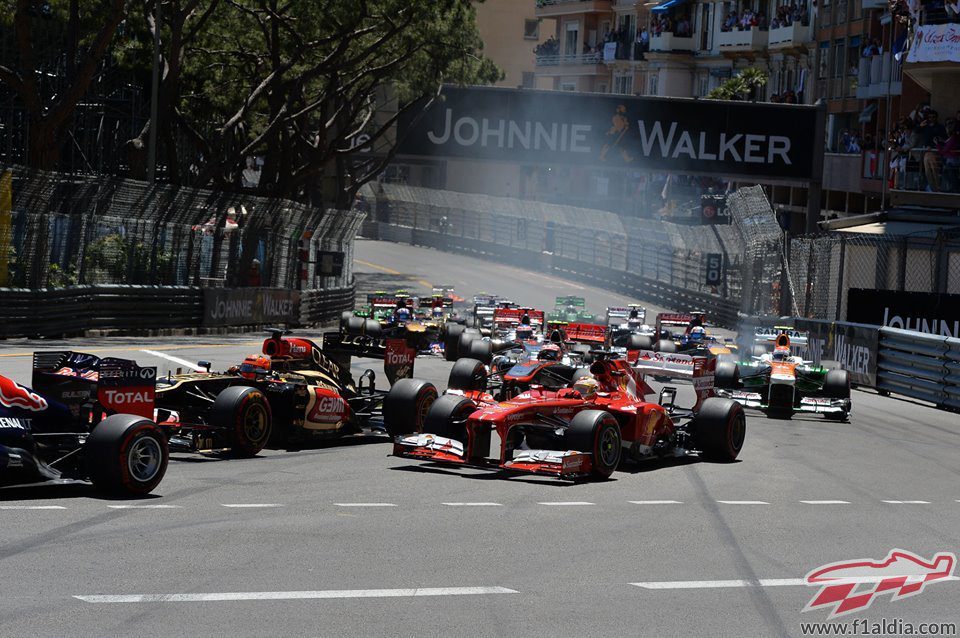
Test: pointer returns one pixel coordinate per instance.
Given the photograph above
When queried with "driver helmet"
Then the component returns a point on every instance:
(549, 352)
(437, 311)
(780, 355)
(697, 334)
(255, 366)
(524, 333)
(525, 319)
(587, 387)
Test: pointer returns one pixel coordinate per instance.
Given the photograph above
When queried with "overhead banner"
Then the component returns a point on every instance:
(617, 131)
(920, 311)
(250, 306)
(935, 43)
(840, 345)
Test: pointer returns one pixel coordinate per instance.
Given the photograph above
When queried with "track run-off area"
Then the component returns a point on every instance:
(342, 539)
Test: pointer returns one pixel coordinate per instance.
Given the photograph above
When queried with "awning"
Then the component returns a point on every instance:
(664, 6)
(867, 114)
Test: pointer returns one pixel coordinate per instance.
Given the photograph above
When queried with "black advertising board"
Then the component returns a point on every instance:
(841, 345)
(919, 311)
(329, 264)
(250, 306)
(713, 209)
(616, 131)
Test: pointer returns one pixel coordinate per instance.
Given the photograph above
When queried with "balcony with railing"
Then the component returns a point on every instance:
(795, 35)
(741, 41)
(554, 8)
(667, 42)
(584, 64)
(878, 75)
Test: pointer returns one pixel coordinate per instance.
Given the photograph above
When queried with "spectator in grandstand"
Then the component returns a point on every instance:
(731, 22)
(949, 152)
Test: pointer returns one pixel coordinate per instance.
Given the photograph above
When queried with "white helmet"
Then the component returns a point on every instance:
(587, 387)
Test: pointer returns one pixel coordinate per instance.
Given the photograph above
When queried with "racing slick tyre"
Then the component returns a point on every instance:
(246, 412)
(406, 405)
(355, 325)
(126, 454)
(468, 375)
(758, 351)
(665, 345)
(463, 344)
(344, 318)
(447, 417)
(451, 340)
(481, 350)
(597, 432)
(639, 342)
(836, 385)
(371, 328)
(727, 375)
(719, 429)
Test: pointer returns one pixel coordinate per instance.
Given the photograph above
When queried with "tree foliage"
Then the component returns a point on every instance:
(745, 85)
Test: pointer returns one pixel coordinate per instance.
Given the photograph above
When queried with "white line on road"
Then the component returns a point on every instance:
(763, 582)
(566, 503)
(32, 507)
(908, 502)
(365, 504)
(169, 357)
(251, 505)
(826, 502)
(656, 502)
(474, 504)
(294, 595)
(143, 507)
(744, 502)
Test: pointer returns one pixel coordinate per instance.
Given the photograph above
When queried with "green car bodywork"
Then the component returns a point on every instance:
(571, 309)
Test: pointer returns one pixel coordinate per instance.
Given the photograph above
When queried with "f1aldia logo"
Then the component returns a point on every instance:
(852, 585)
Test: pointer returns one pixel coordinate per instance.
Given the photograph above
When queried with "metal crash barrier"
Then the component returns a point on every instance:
(919, 365)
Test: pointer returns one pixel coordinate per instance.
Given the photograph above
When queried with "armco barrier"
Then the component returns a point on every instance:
(325, 306)
(919, 365)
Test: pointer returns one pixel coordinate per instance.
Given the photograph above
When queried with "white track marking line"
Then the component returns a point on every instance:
(143, 507)
(826, 502)
(566, 503)
(907, 502)
(763, 582)
(169, 357)
(295, 595)
(744, 502)
(250, 505)
(32, 507)
(474, 504)
(365, 504)
(656, 502)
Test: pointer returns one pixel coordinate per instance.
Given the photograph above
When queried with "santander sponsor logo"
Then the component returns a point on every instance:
(14, 395)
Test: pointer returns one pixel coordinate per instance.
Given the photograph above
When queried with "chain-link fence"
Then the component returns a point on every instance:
(761, 251)
(61, 231)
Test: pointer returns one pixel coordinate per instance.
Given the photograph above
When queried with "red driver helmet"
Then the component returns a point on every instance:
(255, 366)
(549, 352)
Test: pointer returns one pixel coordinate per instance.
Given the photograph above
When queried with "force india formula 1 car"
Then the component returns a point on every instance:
(781, 383)
(567, 434)
(96, 426)
(292, 391)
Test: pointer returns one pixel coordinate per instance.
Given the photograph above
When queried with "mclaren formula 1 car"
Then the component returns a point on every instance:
(290, 392)
(781, 383)
(581, 431)
(85, 418)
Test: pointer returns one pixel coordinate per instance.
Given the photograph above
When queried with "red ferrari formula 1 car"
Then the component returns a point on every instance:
(582, 431)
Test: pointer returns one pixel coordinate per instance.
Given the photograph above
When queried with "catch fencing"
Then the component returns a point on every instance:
(656, 260)
(84, 243)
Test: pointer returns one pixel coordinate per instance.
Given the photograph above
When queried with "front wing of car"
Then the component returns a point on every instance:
(813, 405)
(569, 464)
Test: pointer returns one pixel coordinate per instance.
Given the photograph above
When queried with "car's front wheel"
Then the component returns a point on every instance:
(597, 432)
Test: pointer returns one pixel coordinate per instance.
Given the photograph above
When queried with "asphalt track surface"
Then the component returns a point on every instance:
(342, 539)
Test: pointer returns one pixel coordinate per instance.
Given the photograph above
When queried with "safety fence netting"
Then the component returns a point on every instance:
(59, 230)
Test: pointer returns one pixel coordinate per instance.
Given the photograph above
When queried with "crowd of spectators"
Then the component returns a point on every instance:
(785, 16)
(925, 152)
(549, 47)
(680, 27)
(787, 97)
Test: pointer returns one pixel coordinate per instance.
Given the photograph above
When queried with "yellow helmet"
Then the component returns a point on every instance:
(587, 387)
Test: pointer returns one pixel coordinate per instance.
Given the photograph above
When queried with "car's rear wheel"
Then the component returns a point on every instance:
(355, 325)
(466, 338)
(406, 405)
(758, 350)
(719, 429)
(344, 319)
(451, 340)
(245, 411)
(665, 345)
(447, 417)
(126, 454)
(727, 375)
(467, 375)
(597, 432)
(372, 328)
(481, 350)
(639, 342)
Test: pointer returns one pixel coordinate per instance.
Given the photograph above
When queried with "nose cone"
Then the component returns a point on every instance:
(782, 379)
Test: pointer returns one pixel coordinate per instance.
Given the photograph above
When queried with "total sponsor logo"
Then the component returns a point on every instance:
(127, 397)
(14, 395)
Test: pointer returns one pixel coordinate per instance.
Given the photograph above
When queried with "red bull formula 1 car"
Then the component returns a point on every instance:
(576, 433)
(95, 425)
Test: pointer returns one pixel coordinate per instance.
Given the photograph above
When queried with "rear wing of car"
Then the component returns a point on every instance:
(76, 378)
(570, 300)
(511, 317)
(586, 333)
(766, 336)
(698, 370)
(679, 319)
(338, 349)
